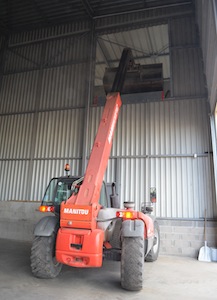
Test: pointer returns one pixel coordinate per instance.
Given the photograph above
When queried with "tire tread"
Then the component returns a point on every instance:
(132, 263)
(42, 261)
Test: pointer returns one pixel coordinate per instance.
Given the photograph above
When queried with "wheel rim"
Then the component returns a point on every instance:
(156, 238)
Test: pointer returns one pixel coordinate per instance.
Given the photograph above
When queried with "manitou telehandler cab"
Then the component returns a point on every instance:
(89, 225)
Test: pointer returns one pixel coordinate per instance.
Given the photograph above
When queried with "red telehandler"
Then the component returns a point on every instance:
(87, 225)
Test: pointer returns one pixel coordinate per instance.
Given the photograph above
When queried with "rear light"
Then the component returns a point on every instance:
(45, 208)
(126, 214)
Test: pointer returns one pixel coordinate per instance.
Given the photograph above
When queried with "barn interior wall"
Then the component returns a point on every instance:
(164, 144)
(186, 59)
(206, 15)
(44, 86)
(43, 98)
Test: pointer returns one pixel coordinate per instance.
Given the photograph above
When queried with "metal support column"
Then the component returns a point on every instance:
(3, 51)
(214, 147)
(170, 58)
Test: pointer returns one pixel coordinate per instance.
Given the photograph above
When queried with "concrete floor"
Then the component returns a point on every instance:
(168, 278)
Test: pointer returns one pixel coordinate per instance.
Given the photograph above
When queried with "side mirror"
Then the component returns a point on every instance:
(153, 197)
(115, 201)
(147, 207)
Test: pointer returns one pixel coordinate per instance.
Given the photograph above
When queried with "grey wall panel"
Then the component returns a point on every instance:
(1, 41)
(16, 136)
(14, 180)
(54, 52)
(186, 58)
(18, 92)
(63, 87)
(159, 15)
(42, 112)
(183, 184)
(50, 32)
(44, 170)
(23, 58)
(67, 50)
(159, 128)
(187, 72)
(110, 175)
(181, 193)
(59, 87)
(63, 65)
(207, 24)
(55, 138)
(156, 143)
(58, 134)
(59, 82)
(183, 32)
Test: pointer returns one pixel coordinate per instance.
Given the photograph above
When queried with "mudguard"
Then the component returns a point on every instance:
(46, 226)
(136, 228)
(133, 228)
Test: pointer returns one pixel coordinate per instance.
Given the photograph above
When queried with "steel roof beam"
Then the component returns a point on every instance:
(163, 6)
(88, 8)
(40, 12)
(114, 61)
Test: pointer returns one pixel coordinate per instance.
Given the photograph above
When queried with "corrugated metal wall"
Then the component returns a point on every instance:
(186, 57)
(48, 75)
(16, 136)
(38, 144)
(206, 13)
(48, 33)
(158, 15)
(42, 111)
(42, 103)
(163, 145)
(207, 23)
(18, 93)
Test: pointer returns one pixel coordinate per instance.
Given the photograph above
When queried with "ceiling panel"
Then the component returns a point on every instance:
(16, 15)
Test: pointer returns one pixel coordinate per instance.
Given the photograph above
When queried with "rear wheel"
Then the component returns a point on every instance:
(115, 240)
(43, 261)
(132, 263)
(153, 253)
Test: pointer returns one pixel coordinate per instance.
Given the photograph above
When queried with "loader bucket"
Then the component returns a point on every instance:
(139, 79)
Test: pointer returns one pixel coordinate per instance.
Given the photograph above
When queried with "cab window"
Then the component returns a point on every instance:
(103, 196)
(63, 192)
(49, 193)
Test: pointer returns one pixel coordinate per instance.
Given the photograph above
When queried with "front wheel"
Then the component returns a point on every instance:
(132, 263)
(43, 261)
(153, 253)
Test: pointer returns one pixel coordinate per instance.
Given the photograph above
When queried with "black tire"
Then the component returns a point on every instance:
(43, 261)
(132, 263)
(153, 253)
(115, 240)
